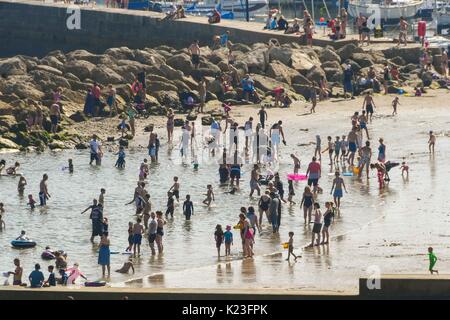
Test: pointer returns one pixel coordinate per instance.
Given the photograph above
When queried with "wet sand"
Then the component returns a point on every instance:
(390, 229)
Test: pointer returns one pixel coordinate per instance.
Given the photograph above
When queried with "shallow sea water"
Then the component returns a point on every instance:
(390, 229)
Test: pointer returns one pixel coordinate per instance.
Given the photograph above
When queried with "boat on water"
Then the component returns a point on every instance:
(237, 7)
(386, 10)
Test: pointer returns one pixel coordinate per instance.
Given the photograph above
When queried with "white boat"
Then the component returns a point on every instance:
(384, 10)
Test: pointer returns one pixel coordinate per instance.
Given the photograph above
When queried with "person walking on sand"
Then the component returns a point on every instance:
(328, 217)
(369, 105)
(395, 103)
(362, 119)
(296, 163)
(291, 247)
(104, 254)
(433, 259)
(262, 113)
(338, 184)
(96, 150)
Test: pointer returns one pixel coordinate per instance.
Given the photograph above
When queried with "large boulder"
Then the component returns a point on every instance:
(408, 54)
(24, 90)
(346, 51)
(240, 47)
(154, 86)
(122, 53)
(149, 57)
(7, 144)
(7, 121)
(256, 60)
(427, 78)
(281, 72)
(105, 75)
(363, 59)
(49, 69)
(302, 61)
(52, 62)
(80, 68)
(333, 74)
(12, 66)
(398, 61)
(315, 73)
(329, 55)
(181, 62)
(331, 64)
(266, 84)
(171, 73)
(48, 81)
(169, 99)
(282, 54)
(84, 55)
(300, 79)
(215, 86)
(355, 66)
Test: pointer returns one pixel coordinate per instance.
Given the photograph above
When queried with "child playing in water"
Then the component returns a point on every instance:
(188, 207)
(433, 260)
(22, 236)
(218, 236)
(120, 163)
(209, 195)
(13, 170)
(431, 141)
(317, 227)
(344, 148)
(2, 209)
(291, 247)
(228, 237)
(337, 148)
(70, 166)
(21, 185)
(405, 168)
(122, 125)
(296, 163)
(170, 204)
(31, 202)
(291, 192)
(175, 189)
(395, 103)
(330, 149)
(126, 266)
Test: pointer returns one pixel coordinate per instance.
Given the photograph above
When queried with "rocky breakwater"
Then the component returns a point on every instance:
(27, 81)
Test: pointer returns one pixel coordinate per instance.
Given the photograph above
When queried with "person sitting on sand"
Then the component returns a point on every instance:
(126, 266)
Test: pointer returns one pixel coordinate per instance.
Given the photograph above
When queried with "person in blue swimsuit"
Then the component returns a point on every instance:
(188, 208)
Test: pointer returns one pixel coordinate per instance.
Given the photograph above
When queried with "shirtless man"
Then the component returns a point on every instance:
(138, 197)
(43, 191)
(17, 280)
(55, 114)
(138, 230)
(359, 22)
(352, 142)
(338, 183)
(366, 155)
(369, 105)
(194, 50)
(362, 119)
(403, 29)
(254, 185)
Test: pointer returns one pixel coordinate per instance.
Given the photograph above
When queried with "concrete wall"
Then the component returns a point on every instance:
(35, 28)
